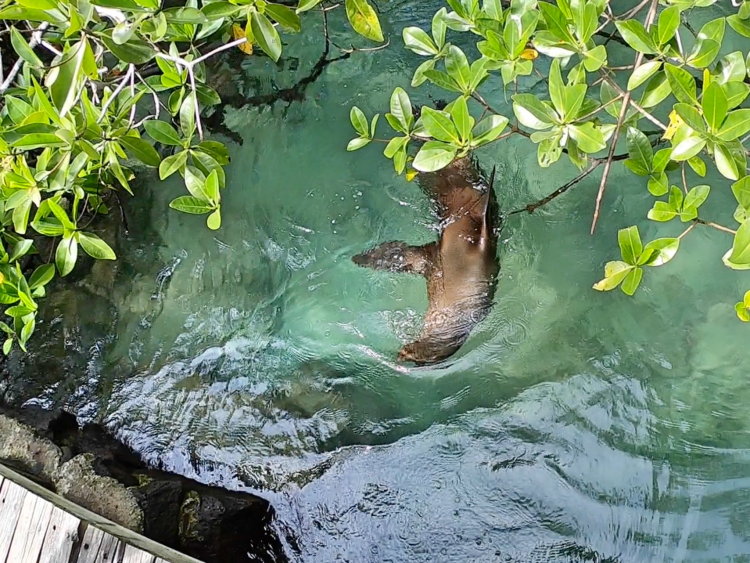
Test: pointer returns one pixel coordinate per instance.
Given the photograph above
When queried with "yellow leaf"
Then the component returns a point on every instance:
(675, 121)
(411, 174)
(2, 278)
(529, 54)
(706, 78)
(239, 33)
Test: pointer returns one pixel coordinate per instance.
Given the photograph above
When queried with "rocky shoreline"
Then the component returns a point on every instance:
(88, 466)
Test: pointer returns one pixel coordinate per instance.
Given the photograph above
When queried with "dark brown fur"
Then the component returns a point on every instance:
(461, 267)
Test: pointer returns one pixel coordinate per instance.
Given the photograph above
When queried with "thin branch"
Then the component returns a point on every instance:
(120, 87)
(36, 38)
(716, 226)
(531, 207)
(686, 231)
(623, 113)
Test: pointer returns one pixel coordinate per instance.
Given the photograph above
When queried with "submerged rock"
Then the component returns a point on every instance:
(78, 481)
(24, 449)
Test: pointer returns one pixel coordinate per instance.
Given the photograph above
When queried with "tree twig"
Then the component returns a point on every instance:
(531, 207)
(36, 38)
(623, 113)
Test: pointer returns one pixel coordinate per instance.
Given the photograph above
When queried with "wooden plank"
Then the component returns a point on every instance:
(61, 536)
(99, 547)
(30, 530)
(135, 555)
(11, 500)
(125, 535)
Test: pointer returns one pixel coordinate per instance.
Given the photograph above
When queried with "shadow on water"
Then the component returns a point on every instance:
(572, 426)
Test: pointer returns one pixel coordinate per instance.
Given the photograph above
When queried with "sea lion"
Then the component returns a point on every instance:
(461, 267)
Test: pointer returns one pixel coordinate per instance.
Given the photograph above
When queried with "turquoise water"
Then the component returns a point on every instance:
(572, 426)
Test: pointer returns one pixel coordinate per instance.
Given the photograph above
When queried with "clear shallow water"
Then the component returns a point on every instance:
(572, 426)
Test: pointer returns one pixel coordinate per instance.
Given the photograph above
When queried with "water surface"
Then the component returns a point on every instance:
(572, 426)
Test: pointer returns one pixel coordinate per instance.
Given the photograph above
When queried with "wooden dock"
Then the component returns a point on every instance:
(39, 526)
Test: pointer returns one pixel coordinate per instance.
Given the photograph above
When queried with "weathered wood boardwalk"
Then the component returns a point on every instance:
(38, 526)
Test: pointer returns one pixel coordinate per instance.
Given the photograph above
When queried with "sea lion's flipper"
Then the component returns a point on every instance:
(489, 208)
(397, 256)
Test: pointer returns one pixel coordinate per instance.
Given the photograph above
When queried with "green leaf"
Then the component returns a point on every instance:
(725, 164)
(738, 258)
(669, 23)
(7, 345)
(357, 143)
(657, 89)
(214, 220)
(23, 50)
(42, 276)
(639, 148)
(187, 115)
(192, 205)
(531, 112)
(643, 73)
(285, 17)
(65, 89)
(658, 184)
(439, 27)
(394, 145)
(135, 51)
(433, 156)
(731, 68)
(417, 40)
(266, 35)
(141, 150)
(595, 58)
(441, 79)
(589, 138)
(660, 251)
(401, 110)
(359, 121)
(419, 74)
(557, 88)
(439, 125)
(682, 84)
(736, 125)
(708, 44)
(23, 13)
(691, 117)
(305, 5)
(630, 244)
(556, 21)
(489, 129)
(740, 26)
(688, 148)
(66, 255)
(462, 119)
(219, 10)
(742, 313)
(95, 247)
(195, 183)
(216, 150)
(698, 166)
(636, 36)
(741, 191)
(614, 273)
(172, 164)
(61, 215)
(714, 105)
(162, 132)
(696, 196)
(458, 67)
(364, 20)
(632, 281)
